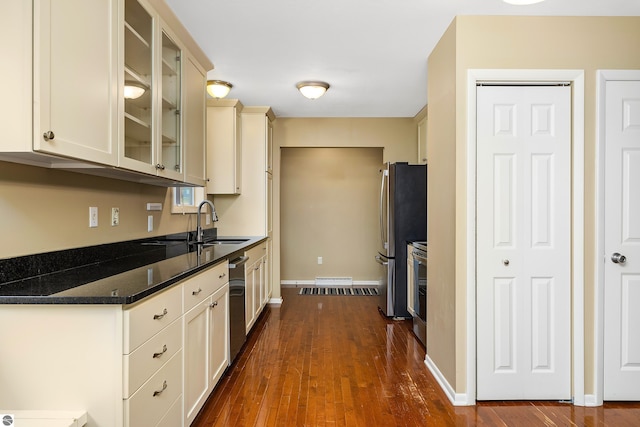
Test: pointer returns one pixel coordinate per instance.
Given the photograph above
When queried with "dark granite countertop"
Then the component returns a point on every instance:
(118, 273)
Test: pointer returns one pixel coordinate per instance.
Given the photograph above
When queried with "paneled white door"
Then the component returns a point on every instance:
(622, 237)
(523, 242)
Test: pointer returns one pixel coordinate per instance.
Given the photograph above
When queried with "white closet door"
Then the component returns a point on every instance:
(524, 242)
(622, 236)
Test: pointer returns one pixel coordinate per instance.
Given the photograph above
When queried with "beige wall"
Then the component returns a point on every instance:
(44, 210)
(585, 43)
(396, 136)
(329, 208)
(441, 208)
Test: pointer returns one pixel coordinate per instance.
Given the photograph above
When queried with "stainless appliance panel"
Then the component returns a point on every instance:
(385, 280)
(403, 218)
(237, 323)
(420, 288)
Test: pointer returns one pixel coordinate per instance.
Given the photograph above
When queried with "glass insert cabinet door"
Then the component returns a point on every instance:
(152, 80)
(138, 82)
(171, 78)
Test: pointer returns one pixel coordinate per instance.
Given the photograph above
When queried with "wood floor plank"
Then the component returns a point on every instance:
(336, 361)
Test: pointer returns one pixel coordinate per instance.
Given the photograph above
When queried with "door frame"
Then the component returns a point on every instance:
(602, 77)
(576, 78)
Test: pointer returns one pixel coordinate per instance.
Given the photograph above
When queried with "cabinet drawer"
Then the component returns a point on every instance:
(173, 417)
(220, 274)
(154, 399)
(197, 288)
(150, 356)
(146, 319)
(256, 252)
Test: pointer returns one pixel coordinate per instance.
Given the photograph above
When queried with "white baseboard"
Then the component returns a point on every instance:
(456, 399)
(275, 301)
(591, 400)
(303, 283)
(296, 283)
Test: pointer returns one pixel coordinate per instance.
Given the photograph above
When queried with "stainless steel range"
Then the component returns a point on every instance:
(420, 290)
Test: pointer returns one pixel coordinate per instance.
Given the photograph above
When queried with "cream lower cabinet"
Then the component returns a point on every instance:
(206, 336)
(256, 283)
(152, 358)
(153, 363)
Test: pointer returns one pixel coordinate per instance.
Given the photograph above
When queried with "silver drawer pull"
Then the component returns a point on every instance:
(222, 275)
(164, 350)
(160, 316)
(213, 304)
(158, 392)
(196, 292)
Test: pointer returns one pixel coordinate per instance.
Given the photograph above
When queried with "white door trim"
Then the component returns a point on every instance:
(602, 77)
(576, 77)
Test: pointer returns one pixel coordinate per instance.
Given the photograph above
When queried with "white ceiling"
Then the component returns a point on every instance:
(373, 53)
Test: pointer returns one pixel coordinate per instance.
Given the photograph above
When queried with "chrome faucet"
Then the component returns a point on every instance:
(214, 217)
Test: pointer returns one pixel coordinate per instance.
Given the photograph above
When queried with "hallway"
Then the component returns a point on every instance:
(335, 361)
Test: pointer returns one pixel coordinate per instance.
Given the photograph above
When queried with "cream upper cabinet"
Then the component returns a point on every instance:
(152, 123)
(422, 136)
(66, 106)
(195, 117)
(74, 76)
(224, 146)
(250, 213)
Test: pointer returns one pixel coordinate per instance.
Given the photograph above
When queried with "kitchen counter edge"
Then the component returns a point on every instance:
(55, 299)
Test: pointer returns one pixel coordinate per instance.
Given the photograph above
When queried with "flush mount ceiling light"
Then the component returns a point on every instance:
(312, 89)
(218, 88)
(522, 2)
(133, 90)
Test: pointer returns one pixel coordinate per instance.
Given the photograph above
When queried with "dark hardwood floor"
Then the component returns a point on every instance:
(335, 361)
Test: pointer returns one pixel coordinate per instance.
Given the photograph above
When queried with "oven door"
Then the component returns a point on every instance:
(420, 289)
(420, 285)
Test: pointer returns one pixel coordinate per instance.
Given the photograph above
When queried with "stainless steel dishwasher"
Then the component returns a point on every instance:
(237, 323)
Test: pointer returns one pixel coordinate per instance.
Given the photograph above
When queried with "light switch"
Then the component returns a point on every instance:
(93, 216)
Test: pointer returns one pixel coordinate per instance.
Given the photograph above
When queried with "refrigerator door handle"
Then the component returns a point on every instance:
(383, 239)
(380, 261)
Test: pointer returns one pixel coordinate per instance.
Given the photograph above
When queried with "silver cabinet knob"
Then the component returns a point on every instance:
(48, 135)
(618, 258)
(505, 261)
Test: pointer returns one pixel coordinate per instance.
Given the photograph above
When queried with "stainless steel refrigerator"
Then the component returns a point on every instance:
(403, 219)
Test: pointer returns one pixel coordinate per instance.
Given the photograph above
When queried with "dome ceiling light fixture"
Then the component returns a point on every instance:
(312, 89)
(133, 90)
(522, 2)
(218, 88)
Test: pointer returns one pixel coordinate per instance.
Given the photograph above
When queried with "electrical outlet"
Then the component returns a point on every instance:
(150, 223)
(319, 260)
(93, 216)
(115, 216)
(207, 219)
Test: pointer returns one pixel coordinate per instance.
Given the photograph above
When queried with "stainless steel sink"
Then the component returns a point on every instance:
(224, 242)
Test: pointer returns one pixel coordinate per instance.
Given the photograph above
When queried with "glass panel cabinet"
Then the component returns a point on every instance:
(138, 81)
(152, 95)
(171, 77)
